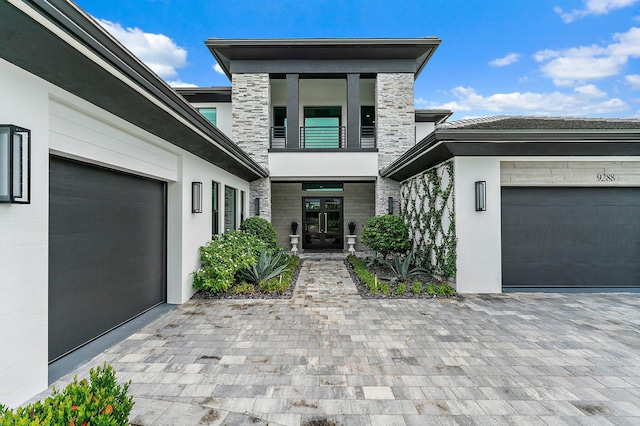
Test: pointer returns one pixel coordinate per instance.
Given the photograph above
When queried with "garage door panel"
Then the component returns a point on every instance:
(549, 275)
(571, 237)
(107, 251)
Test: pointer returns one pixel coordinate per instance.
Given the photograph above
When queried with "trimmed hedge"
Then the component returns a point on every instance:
(386, 235)
(262, 229)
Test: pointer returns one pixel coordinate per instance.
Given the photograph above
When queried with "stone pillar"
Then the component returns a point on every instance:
(395, 123)
(251, 111)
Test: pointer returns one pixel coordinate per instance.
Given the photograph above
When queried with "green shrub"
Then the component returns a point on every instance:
(416, 287)
(366, 277)
(386, 235)
(101, 402)
(223, 257)
(401, 289)
(262, 229)
(282, 282)
(384, 289)
(431, 288)
(243, 288)
(440, 289)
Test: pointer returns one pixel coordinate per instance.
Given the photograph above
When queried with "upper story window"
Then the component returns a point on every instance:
(210, 114)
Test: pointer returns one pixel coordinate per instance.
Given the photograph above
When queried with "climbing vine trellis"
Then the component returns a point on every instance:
(427, 206)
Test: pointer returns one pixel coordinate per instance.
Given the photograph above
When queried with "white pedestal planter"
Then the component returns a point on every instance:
(351, 241)
(294, 239)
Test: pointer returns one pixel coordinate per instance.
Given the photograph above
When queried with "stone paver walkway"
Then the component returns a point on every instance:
(329, 357)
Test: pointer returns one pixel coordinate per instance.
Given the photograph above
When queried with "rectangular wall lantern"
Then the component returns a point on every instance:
(257, 206)
(196, 197)
(15, 164)
(390, 206)
(481, 196)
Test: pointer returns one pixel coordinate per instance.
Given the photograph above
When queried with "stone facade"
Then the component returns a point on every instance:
(251, 106)
(570, 173)
(395, 121)
(358, 205)
(260, 189)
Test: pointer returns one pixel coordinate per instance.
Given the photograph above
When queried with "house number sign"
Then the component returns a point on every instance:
(607, 177)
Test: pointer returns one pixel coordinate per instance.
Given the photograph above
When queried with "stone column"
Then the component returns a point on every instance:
(395, 122)
(251, 111)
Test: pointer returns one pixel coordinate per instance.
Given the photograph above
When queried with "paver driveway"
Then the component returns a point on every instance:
(329, 357)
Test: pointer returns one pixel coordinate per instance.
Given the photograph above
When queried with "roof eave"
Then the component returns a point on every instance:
(442, 145)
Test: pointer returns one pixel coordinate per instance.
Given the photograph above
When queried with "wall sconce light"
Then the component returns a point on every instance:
(257, 206)
(196, 197)
(390, 206)
(481, 196)
(15, 164)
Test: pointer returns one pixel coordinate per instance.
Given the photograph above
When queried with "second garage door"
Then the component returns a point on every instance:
(570, 238)
(106, 251)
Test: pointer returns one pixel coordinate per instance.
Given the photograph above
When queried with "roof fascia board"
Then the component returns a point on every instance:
(537, 135)
(442, 145)
(319, 66)
(76, 24)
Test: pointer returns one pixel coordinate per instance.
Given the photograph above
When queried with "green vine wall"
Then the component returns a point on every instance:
(427, 206)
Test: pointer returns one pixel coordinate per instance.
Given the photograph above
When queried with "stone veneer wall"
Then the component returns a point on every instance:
(570, 173)
(358, 199)
(251, 105)
(395, 122)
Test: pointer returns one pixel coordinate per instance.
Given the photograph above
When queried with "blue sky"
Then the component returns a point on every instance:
(517, 57)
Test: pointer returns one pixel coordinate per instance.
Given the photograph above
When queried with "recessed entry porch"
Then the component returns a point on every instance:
(323, 211)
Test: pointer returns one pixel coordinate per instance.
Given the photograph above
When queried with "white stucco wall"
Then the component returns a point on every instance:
(423, 130)
(302, 165)
(24, 253)
(224, 120)
(66, 125)
(479, 233)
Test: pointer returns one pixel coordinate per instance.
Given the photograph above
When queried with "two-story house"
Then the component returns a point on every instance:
(323, 116)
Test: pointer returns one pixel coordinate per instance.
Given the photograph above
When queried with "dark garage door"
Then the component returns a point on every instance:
(106, 251)
(570, 238)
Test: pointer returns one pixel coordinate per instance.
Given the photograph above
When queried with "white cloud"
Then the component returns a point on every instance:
(593, 7)
(579, 64)
(582, 101)
(157, 51)
(180, 83)
(634, 81)
(217, 68)
(506, 60)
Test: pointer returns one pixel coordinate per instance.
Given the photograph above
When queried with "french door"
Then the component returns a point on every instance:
(322, 223)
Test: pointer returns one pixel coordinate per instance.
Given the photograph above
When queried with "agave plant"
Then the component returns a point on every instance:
(265, 269)
(402, 270)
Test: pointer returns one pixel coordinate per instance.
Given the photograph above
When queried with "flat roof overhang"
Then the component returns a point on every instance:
(442, 145)
(121, 85)
(324, 49)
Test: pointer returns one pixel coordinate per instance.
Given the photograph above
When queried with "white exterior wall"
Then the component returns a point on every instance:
(66, 125)
(224, 119)
(479, 264)
(24, 254)
(423, 129)
(314, 165)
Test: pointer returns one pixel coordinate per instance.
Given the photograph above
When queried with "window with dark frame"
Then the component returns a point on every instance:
(215, 208)
(229, 208)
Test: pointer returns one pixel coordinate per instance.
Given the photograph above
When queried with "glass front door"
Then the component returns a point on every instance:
(322, 223)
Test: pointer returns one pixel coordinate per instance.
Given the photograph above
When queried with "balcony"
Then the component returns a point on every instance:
(323, 138)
